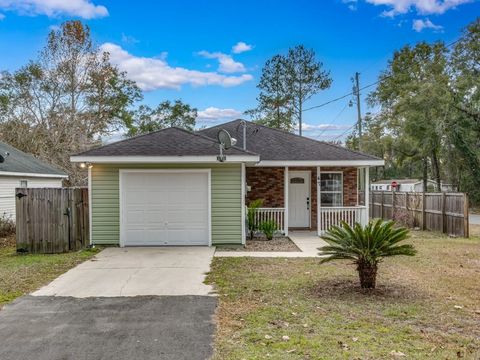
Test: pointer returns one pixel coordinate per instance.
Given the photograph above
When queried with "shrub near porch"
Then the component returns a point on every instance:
(424, 307)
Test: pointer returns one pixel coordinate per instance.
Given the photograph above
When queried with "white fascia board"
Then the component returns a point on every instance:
(20, 174)
(267, 163)
(163, 159)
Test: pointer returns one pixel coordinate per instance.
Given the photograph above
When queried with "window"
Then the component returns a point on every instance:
(331, 189)
(297, 180)
(23, 183)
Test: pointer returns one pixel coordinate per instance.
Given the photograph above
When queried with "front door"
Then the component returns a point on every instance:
(299, 200)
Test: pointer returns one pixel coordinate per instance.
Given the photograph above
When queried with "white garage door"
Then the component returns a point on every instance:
(164, 208)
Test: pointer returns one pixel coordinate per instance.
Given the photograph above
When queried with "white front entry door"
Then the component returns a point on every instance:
(299, 199)
(164, 208)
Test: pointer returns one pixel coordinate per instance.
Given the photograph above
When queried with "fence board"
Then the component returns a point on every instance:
(52, 220)
(443, 212)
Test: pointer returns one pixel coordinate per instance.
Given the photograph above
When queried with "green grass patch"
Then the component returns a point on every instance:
(23, 273)
(425, 307)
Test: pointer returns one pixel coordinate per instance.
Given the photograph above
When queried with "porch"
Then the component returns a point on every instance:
(309, 198)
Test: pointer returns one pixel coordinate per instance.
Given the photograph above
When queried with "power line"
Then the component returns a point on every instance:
(366, 86)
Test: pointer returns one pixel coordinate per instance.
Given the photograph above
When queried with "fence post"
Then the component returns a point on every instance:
(444, 216)
(424, 223)
(393, 204)
(466, 220)
(381, 205)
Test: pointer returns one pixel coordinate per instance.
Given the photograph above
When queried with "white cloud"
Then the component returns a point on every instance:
(52, 8)
(352, 4)
(156, 73)
(241, 47)
(322, 127)
(128, 39)
(2, 16)
(423, 7)
(212, 114)
(226, 62)
(418, 25)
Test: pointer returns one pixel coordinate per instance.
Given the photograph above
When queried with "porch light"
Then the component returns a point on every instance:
(84, 165)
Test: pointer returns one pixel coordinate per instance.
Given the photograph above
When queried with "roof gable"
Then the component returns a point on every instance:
(172, 141)
(278, 145)
(19, 162)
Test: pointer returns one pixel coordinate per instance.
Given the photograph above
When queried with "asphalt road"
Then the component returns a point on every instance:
(120, 328)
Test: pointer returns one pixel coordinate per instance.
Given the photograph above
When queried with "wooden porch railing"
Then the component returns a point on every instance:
(330, 216)
(275, 214)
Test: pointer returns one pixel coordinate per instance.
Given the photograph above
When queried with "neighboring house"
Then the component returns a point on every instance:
(23, 170)
(168, 188)
(409, 185)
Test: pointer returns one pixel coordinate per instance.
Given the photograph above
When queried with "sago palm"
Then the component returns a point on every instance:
(366, 246)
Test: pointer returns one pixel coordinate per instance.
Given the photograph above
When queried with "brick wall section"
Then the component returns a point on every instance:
(266, 183)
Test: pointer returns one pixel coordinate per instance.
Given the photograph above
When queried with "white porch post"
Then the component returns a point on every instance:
(242, 204)
(285, 199)
(367, 194)
(319, 205)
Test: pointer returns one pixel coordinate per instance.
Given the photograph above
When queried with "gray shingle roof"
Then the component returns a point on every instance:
(20, 162)
(166, 142)
(274, 144)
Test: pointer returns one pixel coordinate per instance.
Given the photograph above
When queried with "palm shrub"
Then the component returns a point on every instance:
(268, 228)
(366, 246)
(252, 210)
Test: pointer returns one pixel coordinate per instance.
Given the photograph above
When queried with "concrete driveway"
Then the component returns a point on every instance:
(474, 219)
(124, 304)
(136, 271)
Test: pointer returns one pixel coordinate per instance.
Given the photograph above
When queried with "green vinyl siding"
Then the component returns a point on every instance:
(226, 210)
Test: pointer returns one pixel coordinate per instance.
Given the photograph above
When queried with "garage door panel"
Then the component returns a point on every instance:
(165, 208)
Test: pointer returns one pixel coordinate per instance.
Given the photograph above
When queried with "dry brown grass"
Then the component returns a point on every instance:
(426, 307)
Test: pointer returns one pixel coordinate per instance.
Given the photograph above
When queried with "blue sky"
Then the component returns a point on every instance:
(185, 49)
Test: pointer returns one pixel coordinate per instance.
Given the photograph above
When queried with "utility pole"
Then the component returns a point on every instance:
(359, 113)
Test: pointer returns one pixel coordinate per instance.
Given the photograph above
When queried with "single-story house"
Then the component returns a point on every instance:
(168, 187)
(409, 185)
(18, 169)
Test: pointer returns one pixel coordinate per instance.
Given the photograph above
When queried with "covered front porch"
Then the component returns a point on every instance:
(309, 197)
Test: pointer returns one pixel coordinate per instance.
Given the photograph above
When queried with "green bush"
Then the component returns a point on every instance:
(268, 228)
(7, 226)
(366, 246)
(252, 210)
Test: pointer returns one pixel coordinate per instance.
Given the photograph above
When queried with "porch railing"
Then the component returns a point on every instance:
(330, 216)
(275, 214)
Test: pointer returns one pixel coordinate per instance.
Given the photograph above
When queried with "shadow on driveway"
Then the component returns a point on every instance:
(120, 328)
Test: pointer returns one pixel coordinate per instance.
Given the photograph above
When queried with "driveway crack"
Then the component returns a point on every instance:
(128, 280)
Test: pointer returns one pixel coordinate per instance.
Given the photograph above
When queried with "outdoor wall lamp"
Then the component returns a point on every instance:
(84, 165)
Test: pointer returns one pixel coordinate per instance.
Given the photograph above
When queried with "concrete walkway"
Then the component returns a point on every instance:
(137, 271)
(307, 241)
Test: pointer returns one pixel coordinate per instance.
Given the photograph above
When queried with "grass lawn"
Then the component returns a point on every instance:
(21, 274)
(425, 307)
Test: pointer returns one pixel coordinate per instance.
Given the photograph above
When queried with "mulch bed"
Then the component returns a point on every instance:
(262, 244)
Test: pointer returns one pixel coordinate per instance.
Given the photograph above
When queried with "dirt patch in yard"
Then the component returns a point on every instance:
(283, 244)
(7, 241)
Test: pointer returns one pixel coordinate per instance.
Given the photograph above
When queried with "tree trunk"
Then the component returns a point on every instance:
(436, 170)
(425, 174)
(368, 274)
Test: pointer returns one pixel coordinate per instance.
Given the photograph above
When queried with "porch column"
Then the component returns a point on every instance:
(285, 199)
(367, 194)
(318, 202)
(242, 203)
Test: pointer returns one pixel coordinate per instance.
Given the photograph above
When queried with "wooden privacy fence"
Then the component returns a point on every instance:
(444, 212)
(51, 220)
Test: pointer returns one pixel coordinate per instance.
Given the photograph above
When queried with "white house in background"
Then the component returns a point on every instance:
(408, 185)
(18, 169)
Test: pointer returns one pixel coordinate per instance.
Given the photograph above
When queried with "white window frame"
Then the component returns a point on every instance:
(330, 192)
(26, 183)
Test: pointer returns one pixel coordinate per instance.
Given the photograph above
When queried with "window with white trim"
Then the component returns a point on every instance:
(23, 183)
(331, 189)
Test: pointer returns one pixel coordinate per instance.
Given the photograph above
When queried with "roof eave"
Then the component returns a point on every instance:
(355, 163)
(205, 159)
(27, 174)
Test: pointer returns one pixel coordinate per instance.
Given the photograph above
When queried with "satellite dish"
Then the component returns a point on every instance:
(225, 139)
(226, 142)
